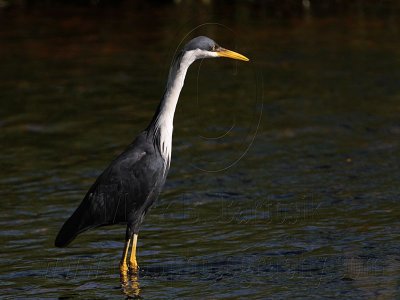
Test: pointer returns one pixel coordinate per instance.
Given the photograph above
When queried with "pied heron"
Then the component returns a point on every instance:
(128, 187)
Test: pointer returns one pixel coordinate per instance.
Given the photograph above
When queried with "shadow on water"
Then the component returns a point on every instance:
(130, 285)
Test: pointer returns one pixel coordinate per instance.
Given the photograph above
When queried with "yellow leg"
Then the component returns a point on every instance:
(123, 266)
(133, 265)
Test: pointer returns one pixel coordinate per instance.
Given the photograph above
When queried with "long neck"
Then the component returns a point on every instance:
(162, 124)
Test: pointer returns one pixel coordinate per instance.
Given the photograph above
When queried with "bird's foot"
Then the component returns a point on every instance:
(123, 267)
(133, 267)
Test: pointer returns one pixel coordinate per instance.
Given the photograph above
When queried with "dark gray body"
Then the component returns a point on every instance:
(123, 193)
(128, 187)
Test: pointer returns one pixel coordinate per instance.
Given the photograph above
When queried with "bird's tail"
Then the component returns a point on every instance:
(71, 228)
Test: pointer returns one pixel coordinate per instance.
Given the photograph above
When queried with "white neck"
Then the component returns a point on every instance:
(162, 124)
(165, 116)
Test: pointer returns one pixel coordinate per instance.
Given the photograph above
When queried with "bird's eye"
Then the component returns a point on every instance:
(213, 48)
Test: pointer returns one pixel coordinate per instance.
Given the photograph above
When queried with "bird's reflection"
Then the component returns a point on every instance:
(130, 284)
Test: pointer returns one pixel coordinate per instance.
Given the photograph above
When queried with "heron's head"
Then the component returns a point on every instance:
(204, 47)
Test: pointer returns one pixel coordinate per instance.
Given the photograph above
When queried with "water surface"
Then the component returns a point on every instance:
(285, 172)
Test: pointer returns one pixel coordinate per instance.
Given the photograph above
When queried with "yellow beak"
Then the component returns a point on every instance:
(231, 54)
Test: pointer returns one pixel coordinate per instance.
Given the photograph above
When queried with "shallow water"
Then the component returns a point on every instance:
(285, 173)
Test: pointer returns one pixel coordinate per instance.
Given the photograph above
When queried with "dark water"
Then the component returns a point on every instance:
(285, 173)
